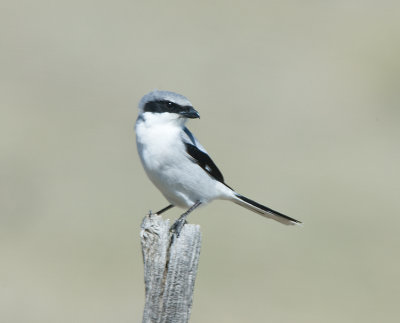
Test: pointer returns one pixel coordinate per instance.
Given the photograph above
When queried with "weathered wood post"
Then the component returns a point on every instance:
(170, 268)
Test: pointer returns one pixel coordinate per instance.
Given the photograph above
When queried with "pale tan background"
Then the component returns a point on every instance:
(299, 104)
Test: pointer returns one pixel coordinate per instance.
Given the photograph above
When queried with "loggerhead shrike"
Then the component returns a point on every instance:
(177, 164)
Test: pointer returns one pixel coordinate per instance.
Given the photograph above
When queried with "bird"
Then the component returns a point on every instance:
(178, 165)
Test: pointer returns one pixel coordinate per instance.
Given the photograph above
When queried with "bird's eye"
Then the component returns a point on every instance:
(169, 104)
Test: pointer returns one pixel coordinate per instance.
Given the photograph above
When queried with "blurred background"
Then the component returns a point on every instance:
(299, 105)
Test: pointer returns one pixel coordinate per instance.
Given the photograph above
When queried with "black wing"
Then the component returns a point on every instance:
(204, 161)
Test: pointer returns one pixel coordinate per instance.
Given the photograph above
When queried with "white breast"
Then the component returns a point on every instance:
(169, 167)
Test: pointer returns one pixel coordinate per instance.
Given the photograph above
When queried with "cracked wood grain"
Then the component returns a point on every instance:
(170, 269)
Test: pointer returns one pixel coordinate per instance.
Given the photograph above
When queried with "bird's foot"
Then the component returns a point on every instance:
(177, 227)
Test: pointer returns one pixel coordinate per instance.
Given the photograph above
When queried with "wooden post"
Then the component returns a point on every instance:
(170, 268)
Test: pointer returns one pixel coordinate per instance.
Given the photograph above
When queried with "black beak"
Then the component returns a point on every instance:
(189, 112)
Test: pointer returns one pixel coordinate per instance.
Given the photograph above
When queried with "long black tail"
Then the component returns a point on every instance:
(263, 210)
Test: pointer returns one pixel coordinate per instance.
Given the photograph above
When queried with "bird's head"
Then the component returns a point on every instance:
(165, 106)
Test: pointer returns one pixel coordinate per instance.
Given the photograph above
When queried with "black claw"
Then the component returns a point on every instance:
(177, 227)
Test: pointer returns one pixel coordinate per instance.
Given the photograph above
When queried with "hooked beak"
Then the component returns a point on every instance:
(189, 112)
